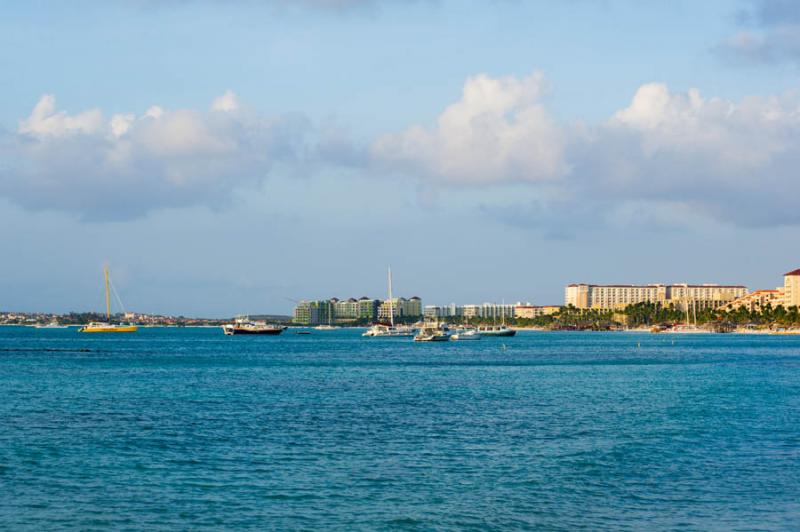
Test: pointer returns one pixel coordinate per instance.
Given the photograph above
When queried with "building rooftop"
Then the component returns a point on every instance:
(679, 285)
(792, 273)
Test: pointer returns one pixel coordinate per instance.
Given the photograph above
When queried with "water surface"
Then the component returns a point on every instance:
(190, 429)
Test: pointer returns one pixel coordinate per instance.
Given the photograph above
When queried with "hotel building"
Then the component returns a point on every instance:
(401, 308)
(787, 295)
(791, 289)
(617, 297)
(329, 311)
(533, 311)
(496, 311)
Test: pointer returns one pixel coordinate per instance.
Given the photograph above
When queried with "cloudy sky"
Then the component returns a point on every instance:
(230, 157)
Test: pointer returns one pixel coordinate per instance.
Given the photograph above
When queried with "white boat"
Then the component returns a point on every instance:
(52, 325)
(466, 334)
(496, 330)
(432, 332)
(326, 328)
(243, 325)
(390, 330)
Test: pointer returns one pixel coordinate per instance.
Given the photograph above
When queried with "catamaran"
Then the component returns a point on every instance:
(107, 326)
(390, 330)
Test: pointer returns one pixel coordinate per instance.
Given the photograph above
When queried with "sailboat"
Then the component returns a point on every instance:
(107, 326)
(392, 331)
(497, 330)
(688, 327)
(329, 326)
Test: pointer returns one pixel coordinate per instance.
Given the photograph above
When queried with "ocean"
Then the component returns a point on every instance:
(189, 429)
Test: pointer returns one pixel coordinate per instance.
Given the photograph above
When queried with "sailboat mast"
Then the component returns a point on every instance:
(391, 303)
(108, 298)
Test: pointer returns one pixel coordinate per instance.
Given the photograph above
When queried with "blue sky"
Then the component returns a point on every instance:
(228, 157)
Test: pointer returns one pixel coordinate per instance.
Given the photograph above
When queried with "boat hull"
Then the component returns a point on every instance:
(436, 338)
(109, 329)
(460, 337)
(507, 332)
(231, 331)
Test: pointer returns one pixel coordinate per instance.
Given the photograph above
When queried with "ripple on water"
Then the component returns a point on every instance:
(189, 429)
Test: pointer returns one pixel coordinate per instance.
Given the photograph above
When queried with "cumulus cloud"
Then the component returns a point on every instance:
(497, 131)
(125, 165)
(667, 151)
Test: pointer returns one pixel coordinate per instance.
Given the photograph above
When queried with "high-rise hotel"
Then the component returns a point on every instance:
(615, 297)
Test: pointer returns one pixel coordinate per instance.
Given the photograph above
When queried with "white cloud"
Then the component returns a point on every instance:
(44, 121)
(226, 103)
(727, 160)
(127, 165)
(498, 131)
(667, 152)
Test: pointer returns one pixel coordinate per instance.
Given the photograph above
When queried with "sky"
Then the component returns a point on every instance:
(234, 157)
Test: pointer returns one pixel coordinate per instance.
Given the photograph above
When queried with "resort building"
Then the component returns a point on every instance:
(495, 311)
(401, 308)
(787, 295)
(313, 312)
(615, 297)
(445, 311)
(791, 289)
(330, 311)
(346, 310)
(756, 301)
(532, 311)
(368, 309)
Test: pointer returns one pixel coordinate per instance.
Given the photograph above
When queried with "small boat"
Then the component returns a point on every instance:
(496, 330)
(432, 332)
(325, 328)
(302, 332)
(468, 334)
(107, 326)
(685, 329)
(390, 330)
(52, 325)
(243, 325)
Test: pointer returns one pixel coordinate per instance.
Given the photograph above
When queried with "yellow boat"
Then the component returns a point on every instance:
(102, 327)
(107, 327)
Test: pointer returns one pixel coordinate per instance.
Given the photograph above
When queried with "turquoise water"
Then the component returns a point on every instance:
(190, 429)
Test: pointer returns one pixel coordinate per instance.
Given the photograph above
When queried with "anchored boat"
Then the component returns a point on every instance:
(107, 326)
(466, 334)
(433, 332)
(390, 330)
(496, 330)
(243, 325)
